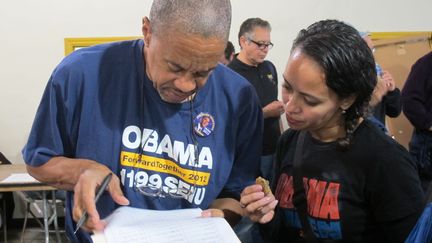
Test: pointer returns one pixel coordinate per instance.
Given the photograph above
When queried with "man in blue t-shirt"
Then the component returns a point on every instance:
(133, 109)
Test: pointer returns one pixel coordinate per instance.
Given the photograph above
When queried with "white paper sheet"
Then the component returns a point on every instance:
(128, 224)
(19, 178)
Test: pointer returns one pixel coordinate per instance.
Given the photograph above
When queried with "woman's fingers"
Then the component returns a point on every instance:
(251, 194)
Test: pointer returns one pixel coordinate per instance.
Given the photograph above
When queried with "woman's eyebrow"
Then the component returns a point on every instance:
(302, 93)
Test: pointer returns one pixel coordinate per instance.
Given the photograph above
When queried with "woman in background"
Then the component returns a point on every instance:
(360, 185)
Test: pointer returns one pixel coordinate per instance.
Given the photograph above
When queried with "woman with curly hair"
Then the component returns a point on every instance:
(349, 182)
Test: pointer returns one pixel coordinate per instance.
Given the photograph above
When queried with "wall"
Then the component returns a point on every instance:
(32, 34)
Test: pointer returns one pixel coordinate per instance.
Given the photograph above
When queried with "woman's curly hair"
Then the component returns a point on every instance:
(347, 62)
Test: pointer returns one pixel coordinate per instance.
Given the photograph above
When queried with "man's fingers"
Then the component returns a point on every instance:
(212, 212)
(95, 224)
(77, 209)
(84, 200)
(88, 199)
(116, 192)
(92, 225)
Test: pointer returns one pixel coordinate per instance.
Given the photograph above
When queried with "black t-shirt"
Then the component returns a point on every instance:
(264, 79)
(369, 193)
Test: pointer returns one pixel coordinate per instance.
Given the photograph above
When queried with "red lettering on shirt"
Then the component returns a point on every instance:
(322, 196)
(285, 191)
(315, 195)
(330, 208)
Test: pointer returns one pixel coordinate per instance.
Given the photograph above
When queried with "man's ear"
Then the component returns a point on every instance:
(242, 41)
(347, 102)
(146, 31)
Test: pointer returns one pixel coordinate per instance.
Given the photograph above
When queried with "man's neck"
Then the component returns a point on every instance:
(243, 58)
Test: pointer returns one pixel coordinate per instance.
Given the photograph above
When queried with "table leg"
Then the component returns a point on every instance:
(45, 215)
(4, 221)
(55, 216)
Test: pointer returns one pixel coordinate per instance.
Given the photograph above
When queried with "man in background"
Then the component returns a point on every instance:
(255, 43)
(228, 53)
(417, 107)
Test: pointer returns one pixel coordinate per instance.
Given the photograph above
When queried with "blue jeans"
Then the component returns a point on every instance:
(420, 147)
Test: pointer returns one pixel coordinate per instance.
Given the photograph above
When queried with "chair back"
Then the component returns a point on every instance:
(3, 160)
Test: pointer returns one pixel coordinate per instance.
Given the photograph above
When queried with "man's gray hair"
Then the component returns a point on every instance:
(249, 25)
(208, 18)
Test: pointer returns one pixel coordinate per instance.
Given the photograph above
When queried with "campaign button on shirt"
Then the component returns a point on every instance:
(204, 124)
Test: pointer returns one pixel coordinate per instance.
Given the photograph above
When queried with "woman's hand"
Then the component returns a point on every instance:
(258, 206)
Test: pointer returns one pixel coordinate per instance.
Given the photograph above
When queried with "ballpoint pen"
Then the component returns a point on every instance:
(101, 189)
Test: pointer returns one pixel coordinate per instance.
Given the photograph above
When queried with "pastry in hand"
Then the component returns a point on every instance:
(264, 183)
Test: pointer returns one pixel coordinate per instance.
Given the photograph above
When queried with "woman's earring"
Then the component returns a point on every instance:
(343, 112)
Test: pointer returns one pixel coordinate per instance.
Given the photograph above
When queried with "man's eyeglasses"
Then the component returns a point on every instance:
(262, 46)
(155, 191)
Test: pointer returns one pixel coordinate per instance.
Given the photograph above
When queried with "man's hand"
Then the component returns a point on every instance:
(274, 109)
(212, 212)
(84, 177)
(85, 191)
(258, 206)
(228, 208)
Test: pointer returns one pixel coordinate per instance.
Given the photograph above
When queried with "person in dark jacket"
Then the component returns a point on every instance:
(417, 107)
